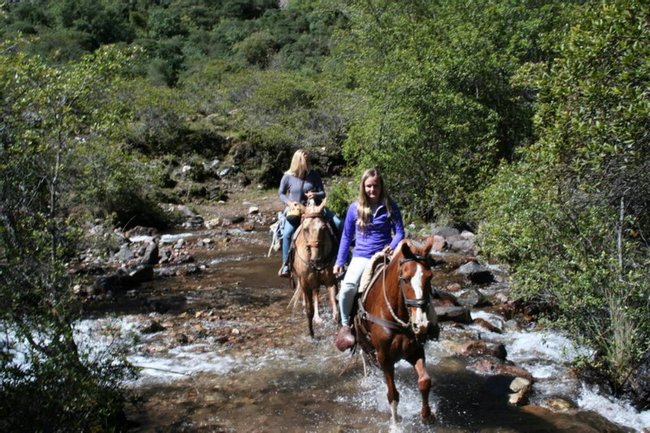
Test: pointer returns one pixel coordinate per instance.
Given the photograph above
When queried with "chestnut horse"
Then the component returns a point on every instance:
(394, 318)
(314, 253)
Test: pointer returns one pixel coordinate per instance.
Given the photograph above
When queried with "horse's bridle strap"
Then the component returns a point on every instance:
(386, 323)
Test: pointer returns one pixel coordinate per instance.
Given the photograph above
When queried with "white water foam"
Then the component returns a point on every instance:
(618, 411)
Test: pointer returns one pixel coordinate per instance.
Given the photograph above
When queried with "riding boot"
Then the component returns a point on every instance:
(344, 339)
(284, 271)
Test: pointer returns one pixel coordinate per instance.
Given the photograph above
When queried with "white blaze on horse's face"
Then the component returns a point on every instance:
(420, 322)
(315, 231)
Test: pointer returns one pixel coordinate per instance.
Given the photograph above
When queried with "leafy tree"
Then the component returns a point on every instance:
(572, 216)
(58, 163)
(434, 81)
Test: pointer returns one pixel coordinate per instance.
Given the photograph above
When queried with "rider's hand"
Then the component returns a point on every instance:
(338, 270)
(387, 250)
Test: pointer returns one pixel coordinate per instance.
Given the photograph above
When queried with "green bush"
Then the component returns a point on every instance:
(569, 215)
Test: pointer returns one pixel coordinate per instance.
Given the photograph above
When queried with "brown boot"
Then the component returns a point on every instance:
(344, 339)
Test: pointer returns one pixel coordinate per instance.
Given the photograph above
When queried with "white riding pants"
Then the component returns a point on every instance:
(350, 286)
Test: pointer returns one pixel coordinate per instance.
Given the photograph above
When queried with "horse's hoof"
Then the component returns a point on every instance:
(344, 339)
(428, 417)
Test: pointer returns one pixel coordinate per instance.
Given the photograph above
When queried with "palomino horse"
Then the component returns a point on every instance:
(314, 253)
(394, 318)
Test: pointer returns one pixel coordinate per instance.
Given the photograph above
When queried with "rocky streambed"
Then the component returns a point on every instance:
(207, 321)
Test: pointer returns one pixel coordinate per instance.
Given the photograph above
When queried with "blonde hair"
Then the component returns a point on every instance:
(363, 208)
(299, 164)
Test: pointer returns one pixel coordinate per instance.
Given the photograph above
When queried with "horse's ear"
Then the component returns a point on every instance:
(405, 248)
(428, 244)
(322, 205)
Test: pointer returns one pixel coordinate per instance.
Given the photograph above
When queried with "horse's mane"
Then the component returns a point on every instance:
(376, 264)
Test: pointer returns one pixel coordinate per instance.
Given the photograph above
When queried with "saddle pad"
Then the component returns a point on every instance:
(373, 267)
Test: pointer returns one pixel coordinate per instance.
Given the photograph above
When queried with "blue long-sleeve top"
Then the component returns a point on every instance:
(293, 188)
(380, 231)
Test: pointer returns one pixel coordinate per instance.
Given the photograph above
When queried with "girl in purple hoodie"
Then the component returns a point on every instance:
(375, 224)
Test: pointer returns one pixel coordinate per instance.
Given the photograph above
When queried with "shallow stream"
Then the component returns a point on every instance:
(220, 351)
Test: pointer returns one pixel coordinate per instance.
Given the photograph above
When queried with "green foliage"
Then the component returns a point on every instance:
(60, 159)
(440, 111)
(573, 214)
(256, 49)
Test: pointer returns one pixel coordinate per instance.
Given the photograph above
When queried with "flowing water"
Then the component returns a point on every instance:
(220, 351)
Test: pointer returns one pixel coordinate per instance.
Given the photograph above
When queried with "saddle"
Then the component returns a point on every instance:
(373, 270)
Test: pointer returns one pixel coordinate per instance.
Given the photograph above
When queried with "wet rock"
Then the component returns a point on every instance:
(140, 231)
(439, 243)
(579, 422)
(204, 242)
(234, 220)
(153, 327)
(559, 404)
(473, 298)
(493, 365)
(140, 274)
(124, 254)
(487, 325)
(520, 388)
(637, 386)
(213, 223)
(454, 314)
(188, 270)
(476, 273)
(481, 348)
(193, 222)
(445, 232)
(445, 298)
(150, 255)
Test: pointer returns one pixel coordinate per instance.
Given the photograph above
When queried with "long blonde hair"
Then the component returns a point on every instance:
(300, 164)
(363, 208)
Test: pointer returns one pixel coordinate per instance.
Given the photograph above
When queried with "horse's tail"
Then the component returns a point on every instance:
(297, 293)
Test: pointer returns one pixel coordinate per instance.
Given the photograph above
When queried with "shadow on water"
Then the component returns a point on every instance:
(471, 401)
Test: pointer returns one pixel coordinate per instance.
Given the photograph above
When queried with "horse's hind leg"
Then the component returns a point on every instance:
(424, 385)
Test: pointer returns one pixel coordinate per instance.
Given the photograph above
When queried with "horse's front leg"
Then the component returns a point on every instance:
(331, 290)
(424, 385)
(315, 295)
(309, 310)
(388, 367)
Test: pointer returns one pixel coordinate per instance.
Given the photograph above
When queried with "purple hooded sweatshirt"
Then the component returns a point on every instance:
(378, 233)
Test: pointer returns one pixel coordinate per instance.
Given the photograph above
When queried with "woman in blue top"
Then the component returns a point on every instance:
(299, 184)
(375, 223)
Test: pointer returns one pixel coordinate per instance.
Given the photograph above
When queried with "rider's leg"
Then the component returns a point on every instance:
(349, 288)
(287, 234)
(344, 338)
(334, 221)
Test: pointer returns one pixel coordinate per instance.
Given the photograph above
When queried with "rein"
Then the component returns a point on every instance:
(398, 324)
(321, 265)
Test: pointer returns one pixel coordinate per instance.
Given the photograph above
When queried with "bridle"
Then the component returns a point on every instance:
(398, 324)
(326, 261)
